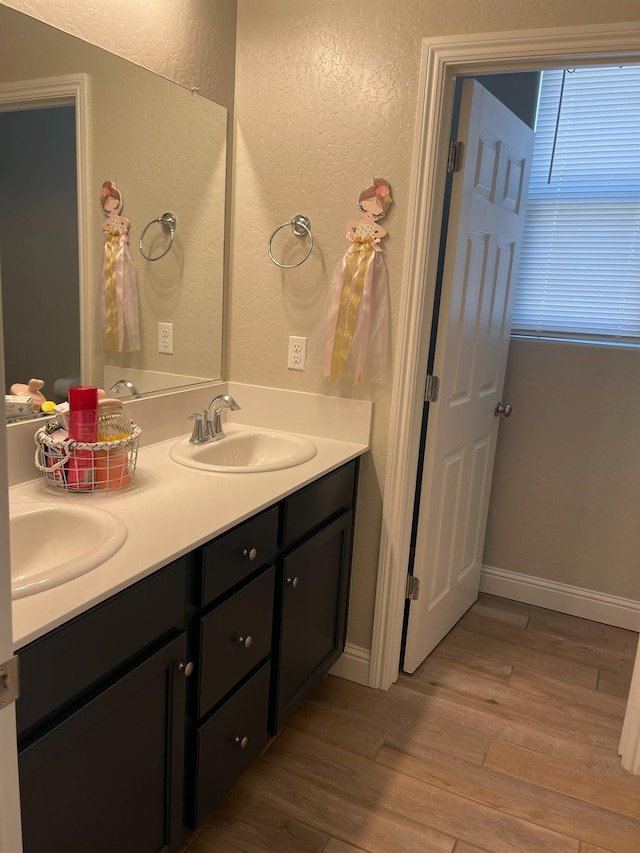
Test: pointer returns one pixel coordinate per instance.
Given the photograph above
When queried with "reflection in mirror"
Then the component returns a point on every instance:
(167, 149)
(39, 244)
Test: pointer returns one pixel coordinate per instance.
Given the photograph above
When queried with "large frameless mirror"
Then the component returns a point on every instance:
(72, 116)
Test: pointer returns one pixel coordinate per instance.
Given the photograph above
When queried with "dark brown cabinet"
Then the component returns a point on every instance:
(117, 751)
(311, 615)
(101, 767)
(109, 776)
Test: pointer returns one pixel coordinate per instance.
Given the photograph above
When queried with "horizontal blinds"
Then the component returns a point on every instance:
(579, 274)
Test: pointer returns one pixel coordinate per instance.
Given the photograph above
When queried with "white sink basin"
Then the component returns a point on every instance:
(51, 544)
(243, 451)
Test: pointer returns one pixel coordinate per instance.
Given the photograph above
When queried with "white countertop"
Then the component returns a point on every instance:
(169, 509)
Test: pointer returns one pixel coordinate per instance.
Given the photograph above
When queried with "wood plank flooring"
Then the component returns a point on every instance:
(505, 739)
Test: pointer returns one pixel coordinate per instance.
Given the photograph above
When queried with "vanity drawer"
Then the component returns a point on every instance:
(238, 553)
(224, 658)
(65, 663)
(311, 506)
(220, 756)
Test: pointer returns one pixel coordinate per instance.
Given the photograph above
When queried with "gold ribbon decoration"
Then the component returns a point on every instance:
(112, 338)
(360, 255)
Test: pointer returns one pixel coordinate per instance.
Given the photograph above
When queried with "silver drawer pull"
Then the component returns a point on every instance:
(185, 668)
(242, 742)
(250, 554)
(245, 641)
(293, 582)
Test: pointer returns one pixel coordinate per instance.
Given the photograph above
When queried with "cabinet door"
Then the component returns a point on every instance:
(109, 777)
(74, 659)
(310, 632)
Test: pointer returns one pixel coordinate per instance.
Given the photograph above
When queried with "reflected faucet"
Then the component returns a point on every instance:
(124, 383)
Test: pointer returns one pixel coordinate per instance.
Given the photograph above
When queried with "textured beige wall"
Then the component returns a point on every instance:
(566, 490)
(325, 98)
(190, 41)
(167, 150)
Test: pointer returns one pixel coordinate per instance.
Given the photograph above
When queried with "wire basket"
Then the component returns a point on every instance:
(78, 466)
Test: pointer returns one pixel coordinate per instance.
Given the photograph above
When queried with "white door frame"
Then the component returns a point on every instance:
(442, 59)
(66, 90)
(10, 825)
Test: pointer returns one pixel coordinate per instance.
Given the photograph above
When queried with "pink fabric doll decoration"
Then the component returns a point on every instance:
(118, 281)
(357, 316)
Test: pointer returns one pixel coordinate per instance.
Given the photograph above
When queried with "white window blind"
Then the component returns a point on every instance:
(579, 274)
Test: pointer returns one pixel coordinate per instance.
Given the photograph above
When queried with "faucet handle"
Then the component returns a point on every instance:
(197, 436)
(207, 425)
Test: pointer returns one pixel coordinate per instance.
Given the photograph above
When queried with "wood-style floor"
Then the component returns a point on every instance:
(504, 740)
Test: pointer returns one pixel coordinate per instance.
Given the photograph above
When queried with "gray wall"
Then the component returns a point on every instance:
(517, 91)
(566, 490)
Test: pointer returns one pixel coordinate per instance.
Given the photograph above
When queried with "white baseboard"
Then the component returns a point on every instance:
(353, 665)
(598, 606)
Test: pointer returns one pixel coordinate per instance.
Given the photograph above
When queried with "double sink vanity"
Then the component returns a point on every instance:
(160, 665)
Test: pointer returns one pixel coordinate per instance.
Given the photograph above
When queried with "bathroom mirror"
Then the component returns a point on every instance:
(166, 147)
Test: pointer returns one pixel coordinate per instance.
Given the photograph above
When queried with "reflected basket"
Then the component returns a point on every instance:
(82, 467)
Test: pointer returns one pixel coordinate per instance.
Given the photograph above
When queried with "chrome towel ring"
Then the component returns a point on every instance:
(300, 225)
(169, 222)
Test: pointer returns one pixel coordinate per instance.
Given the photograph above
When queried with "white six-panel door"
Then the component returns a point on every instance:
(485, 228)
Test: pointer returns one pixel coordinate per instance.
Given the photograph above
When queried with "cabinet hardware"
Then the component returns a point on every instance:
(245, 641)
(185, 669)
(250, 554)
(293, 582)
(243, 742)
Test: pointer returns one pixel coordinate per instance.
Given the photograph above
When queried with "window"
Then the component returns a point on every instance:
(579, 274)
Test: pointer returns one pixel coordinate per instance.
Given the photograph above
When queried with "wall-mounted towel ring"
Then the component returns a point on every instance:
(300, 225)
(169, 223)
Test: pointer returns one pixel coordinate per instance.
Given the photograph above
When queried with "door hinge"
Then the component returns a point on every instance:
(9, 682)
(431, 388)
(456, 153)
(413, 588)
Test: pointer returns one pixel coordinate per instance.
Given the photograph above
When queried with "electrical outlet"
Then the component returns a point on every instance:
(297, 353)
(165, 338)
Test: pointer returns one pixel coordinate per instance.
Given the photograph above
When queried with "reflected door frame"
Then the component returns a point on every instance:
(66, 90)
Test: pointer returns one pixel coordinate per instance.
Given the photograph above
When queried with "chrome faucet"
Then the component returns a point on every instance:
(212, 424)
(124, 383)
(208, 425)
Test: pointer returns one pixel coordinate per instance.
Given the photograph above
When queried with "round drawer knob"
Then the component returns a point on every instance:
(245, 641)
(185, 668)
(242, 742)
(250, 554)
(293, 582)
